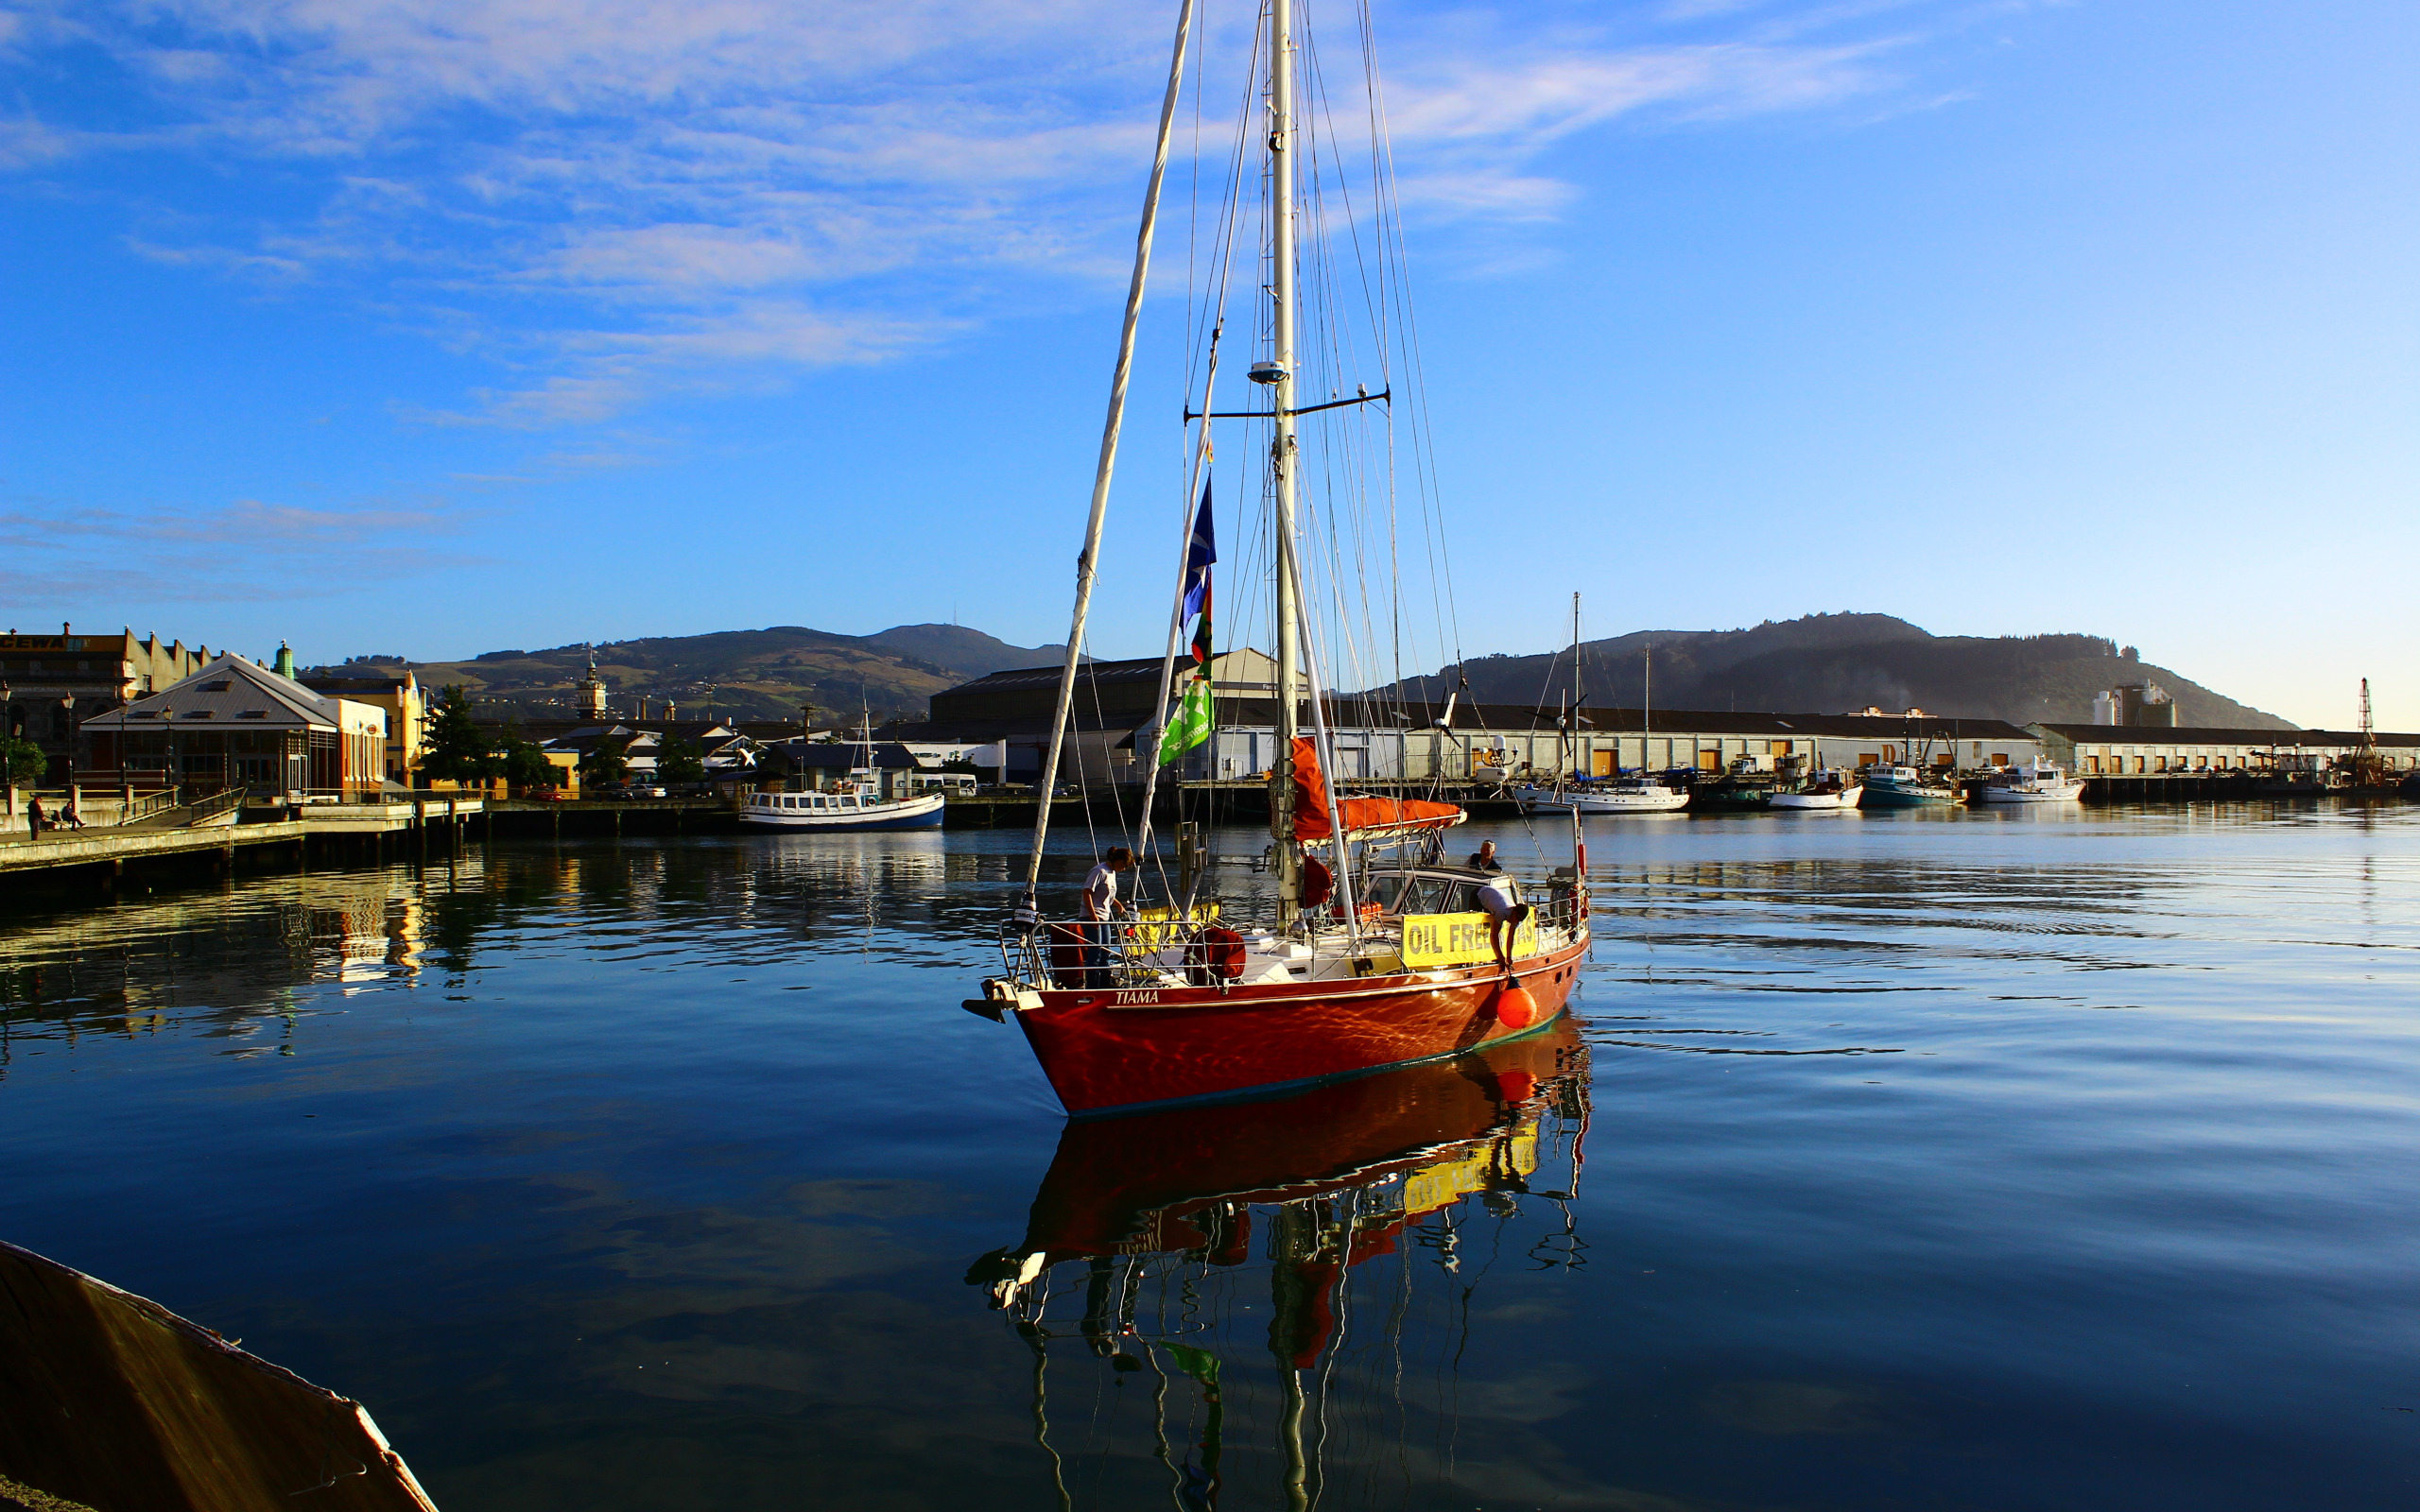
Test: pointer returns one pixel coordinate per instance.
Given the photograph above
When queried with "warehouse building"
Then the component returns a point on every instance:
(2090, 751)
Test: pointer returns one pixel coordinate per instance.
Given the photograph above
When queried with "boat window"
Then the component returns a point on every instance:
(1422, 895)
(1385, 890)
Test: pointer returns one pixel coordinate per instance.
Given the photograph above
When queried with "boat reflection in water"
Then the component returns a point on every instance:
(1215, 1257)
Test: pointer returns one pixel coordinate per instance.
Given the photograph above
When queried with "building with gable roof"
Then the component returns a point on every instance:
(237, 724)
(50, 684)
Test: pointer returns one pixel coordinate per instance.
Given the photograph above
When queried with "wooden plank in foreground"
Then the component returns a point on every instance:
(110, 1400)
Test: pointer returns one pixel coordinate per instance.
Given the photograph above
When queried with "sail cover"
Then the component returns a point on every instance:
(1365, 818)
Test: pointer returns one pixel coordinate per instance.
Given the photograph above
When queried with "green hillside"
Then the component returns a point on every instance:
(1836, 663)
(762, 674)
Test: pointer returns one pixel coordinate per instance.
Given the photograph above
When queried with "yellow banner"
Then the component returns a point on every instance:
(1155, 927)
(1459, 939)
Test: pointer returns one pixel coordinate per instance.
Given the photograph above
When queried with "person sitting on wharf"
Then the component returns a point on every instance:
(1483, 859)
(1504, 918)
(1100, 908)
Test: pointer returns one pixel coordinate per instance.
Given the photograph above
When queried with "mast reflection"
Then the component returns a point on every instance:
(1222, 1259)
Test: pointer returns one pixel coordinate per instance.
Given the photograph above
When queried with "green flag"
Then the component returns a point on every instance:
(1191, 726)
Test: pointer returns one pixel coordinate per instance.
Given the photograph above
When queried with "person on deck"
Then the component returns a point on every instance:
(1100, 907)
(1483, 859)
(1504, 918)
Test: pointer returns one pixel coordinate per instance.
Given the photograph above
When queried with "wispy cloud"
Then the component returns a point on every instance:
(619, 198)
(245, 550)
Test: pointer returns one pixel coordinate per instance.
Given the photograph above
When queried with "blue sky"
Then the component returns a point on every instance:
(469, 324)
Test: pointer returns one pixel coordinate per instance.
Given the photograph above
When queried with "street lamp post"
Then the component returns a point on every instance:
(68, 718)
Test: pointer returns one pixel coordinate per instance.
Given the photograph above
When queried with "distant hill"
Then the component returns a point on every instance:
(1836, 663)
(746, 674)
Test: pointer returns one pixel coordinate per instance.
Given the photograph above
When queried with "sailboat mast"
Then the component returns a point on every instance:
(1088, 562)
(1576, 698)
(1282, 448)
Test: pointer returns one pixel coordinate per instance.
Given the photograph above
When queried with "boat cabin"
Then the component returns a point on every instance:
(1431, 890)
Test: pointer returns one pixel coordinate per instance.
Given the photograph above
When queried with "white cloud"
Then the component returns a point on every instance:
(622, 198)
(245, 550)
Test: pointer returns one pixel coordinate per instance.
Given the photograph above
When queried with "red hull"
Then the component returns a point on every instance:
(1137, 1185)
(1112, 1051)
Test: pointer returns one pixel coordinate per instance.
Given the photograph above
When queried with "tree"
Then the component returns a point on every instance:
(458, 749)
(610, 762)
(679, 761)
(22, 762)
(526, 766)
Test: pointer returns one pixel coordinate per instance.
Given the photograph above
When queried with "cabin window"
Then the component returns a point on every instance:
(1423, 895)
(1384, 891)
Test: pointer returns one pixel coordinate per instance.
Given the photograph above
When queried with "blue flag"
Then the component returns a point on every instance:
(1199, 557)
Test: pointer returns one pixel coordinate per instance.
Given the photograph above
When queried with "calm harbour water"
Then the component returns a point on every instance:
(1994, 1160)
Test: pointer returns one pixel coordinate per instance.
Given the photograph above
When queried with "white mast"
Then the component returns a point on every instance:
(1279, 374)
(1088, 565)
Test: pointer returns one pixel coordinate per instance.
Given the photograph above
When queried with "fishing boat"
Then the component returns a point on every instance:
(1373, 953)
(2037, 782)
(1829, 789)
(1906, 787)
(1743, 789)
(853, 804)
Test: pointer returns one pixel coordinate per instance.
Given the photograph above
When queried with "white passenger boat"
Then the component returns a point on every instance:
(1621, 795)
(2036, 782)
(862, 807)
(1829, 790)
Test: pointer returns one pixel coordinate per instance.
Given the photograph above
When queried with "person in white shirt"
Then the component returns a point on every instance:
(1100, 907)
(1505, 918)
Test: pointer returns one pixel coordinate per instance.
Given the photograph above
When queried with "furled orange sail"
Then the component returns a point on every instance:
(1365, 818)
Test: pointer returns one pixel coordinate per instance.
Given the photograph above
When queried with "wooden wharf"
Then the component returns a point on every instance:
(213, 836)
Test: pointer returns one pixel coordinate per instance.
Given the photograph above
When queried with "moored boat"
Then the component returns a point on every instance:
(857, 802)
(857, 805)
(1374, 954)
(1832, 789)
(1617, 795)
(2036, 782)
(1906, 787)
(1743, 789)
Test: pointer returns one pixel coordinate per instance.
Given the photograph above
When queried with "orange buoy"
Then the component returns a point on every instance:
(1515, 1007)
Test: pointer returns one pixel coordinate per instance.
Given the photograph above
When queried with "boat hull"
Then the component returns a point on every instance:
(1820, 801)
(1126, 1050)
(1901, 798)
(2071, 792)
(1571, 801)
(914, 813)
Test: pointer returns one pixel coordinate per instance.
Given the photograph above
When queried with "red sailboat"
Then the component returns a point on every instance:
(1377, 953)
